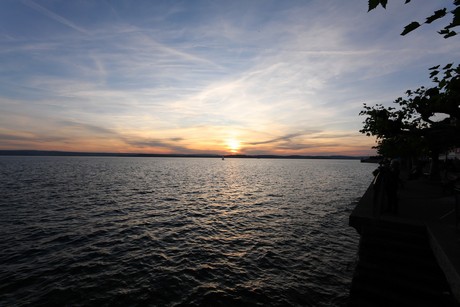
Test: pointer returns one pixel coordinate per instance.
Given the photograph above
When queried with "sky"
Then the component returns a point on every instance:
(208, 76)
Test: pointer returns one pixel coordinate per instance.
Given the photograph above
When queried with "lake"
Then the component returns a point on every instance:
(123, 231)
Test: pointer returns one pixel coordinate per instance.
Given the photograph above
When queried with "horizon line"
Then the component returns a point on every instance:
(34, 152)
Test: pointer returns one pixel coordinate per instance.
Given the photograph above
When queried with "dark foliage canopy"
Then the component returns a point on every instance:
(428, 120)
(441, 13)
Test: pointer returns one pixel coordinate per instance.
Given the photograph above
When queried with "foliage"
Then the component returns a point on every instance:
(446, 31)
(428, 120)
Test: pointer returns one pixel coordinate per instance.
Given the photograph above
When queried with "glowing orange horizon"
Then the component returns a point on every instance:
(348, 151)
(202, 142)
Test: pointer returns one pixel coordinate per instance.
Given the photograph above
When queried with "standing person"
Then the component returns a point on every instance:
(380, 188)
(392, 185)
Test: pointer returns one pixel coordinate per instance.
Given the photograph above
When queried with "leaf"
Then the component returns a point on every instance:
(434, 67)
(437, 14)
(448, 74)
(434, 73)
(448, 66)
(410, 27)
(450, 34)
(442, 84)
(374, 3)
(456, 20)
(443, 31)
(407, 1)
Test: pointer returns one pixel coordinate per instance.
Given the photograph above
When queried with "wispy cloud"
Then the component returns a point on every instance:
(282, 77)
(93, 129)
(168, 145)
(44, 11)
(283, 138)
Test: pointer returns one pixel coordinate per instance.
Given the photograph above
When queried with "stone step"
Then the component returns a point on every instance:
(397, 232)
(431, 283)
(384, 243)
(371, 292)
(432, 278)
(397, 267)
(398, 259)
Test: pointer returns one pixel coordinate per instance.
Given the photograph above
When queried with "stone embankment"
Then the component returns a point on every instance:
(412, 258)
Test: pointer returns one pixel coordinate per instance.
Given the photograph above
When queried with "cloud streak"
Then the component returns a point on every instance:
(42, 10)
(286, 78)
(283, 138)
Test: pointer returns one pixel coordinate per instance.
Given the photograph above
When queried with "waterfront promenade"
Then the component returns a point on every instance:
(412, 258)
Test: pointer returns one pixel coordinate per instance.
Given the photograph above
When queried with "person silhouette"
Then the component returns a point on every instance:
(386, 185)
(392, 186)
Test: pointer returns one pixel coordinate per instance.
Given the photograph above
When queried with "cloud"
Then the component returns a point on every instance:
(88, 128)
(168, 145)
(208, 72)
(283, 138)
(28, 140)
(42, 10)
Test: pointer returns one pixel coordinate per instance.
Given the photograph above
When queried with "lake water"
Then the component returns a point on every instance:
(107, 231)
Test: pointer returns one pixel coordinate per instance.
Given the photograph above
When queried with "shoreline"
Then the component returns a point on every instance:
(426, 214)
(147, 155)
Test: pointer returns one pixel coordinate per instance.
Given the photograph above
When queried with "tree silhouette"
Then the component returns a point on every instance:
(426, 122)
(441, 13)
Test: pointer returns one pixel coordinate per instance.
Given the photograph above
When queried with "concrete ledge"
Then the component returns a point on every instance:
(421, 203)
(445, 244)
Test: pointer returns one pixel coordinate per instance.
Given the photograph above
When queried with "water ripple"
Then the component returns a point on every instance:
(177, 232)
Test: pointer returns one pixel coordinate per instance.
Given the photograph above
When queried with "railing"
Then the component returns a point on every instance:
(457, 206)
(456, 209)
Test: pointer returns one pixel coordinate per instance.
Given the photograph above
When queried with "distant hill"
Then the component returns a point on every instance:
(108, 154)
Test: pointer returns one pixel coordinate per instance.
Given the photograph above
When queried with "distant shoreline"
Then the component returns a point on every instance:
(106, 154)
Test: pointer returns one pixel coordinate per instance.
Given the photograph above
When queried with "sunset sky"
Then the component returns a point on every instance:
(252, 77)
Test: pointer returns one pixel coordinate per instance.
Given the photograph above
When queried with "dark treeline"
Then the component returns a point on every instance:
(108, 154)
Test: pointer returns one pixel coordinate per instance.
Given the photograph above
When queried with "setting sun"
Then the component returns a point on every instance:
(233, 145)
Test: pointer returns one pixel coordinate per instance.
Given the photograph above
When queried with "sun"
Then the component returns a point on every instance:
(233, 145)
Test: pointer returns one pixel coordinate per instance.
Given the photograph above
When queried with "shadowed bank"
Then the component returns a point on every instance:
(412, 258)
